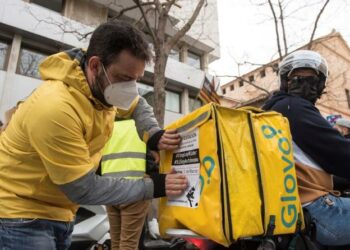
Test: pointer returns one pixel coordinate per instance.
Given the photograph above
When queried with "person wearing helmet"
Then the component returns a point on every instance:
(343, 126)
(319, 150)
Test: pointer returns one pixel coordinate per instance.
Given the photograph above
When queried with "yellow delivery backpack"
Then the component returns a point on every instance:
(242, 180)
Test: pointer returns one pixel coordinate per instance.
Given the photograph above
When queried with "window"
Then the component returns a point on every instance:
(251, 78)
(262, 73)
(172, 101)
(4, 48)
(241, 83)
(193, 60)
(194, 104)
(146, 92)
(347, 92)
(29, 61)
(232, 87)
(55, 5)
(224, 91)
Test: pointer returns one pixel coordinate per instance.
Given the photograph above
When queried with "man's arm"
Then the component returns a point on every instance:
(145, 121)
(142, 113)
(149, 130)
(56, 133)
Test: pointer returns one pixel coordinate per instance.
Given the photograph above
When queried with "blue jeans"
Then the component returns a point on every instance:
(331, 215)
(34, 234)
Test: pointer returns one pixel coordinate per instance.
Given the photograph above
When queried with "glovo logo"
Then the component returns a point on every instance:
(289, 212)
(209, 165)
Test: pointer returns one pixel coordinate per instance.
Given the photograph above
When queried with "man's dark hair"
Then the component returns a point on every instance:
(111, 38)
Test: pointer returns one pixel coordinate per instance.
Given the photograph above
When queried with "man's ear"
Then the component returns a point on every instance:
(93, 65)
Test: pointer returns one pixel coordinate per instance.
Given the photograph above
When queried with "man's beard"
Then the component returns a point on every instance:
(96, 90)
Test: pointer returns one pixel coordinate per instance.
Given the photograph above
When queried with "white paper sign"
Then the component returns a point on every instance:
(186, 161)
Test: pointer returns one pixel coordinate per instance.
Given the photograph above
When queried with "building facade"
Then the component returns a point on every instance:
(336, 100)
(30, 30)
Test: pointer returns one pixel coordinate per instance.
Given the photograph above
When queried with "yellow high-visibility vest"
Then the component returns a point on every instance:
(124, 155)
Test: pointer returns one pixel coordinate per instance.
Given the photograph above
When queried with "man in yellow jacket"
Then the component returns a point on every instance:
(52, 145)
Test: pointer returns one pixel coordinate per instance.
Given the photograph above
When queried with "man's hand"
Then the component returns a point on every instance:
(175, 184)
(170, 140)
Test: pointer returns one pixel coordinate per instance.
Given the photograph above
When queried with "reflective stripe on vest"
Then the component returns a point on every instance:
(124, 155)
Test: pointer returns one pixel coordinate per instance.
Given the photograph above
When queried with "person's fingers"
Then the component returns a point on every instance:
(171, 135)
(162, 146)
(174, 177)
(175, 184)
(173, 192)
(176, 189)
(171, 131)
(170, 140)
(168, 144)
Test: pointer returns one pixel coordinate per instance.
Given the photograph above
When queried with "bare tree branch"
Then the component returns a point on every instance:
(156, 13)
(258, 4)
(316, 23)
(154, 16)
(145, 18)
(161, 34)
(283, 28)
(301, 7)
(169, 4)
(268, 94)
(131, 8)
(171, 43)
(276, 28)
(254, 64)
(64, 25)
(158, 6)
(138, 23)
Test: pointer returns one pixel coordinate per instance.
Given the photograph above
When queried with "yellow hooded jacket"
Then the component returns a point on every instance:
(51, 148)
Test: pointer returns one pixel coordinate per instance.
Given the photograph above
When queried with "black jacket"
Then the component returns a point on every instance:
(313, 134)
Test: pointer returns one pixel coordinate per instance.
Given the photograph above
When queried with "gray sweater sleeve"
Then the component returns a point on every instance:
(92, 189)
(145, 120)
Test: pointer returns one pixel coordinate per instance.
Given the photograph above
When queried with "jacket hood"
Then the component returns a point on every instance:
(274, 99)
(67, 66)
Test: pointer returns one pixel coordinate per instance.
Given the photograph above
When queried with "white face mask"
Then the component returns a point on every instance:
(120, 94)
